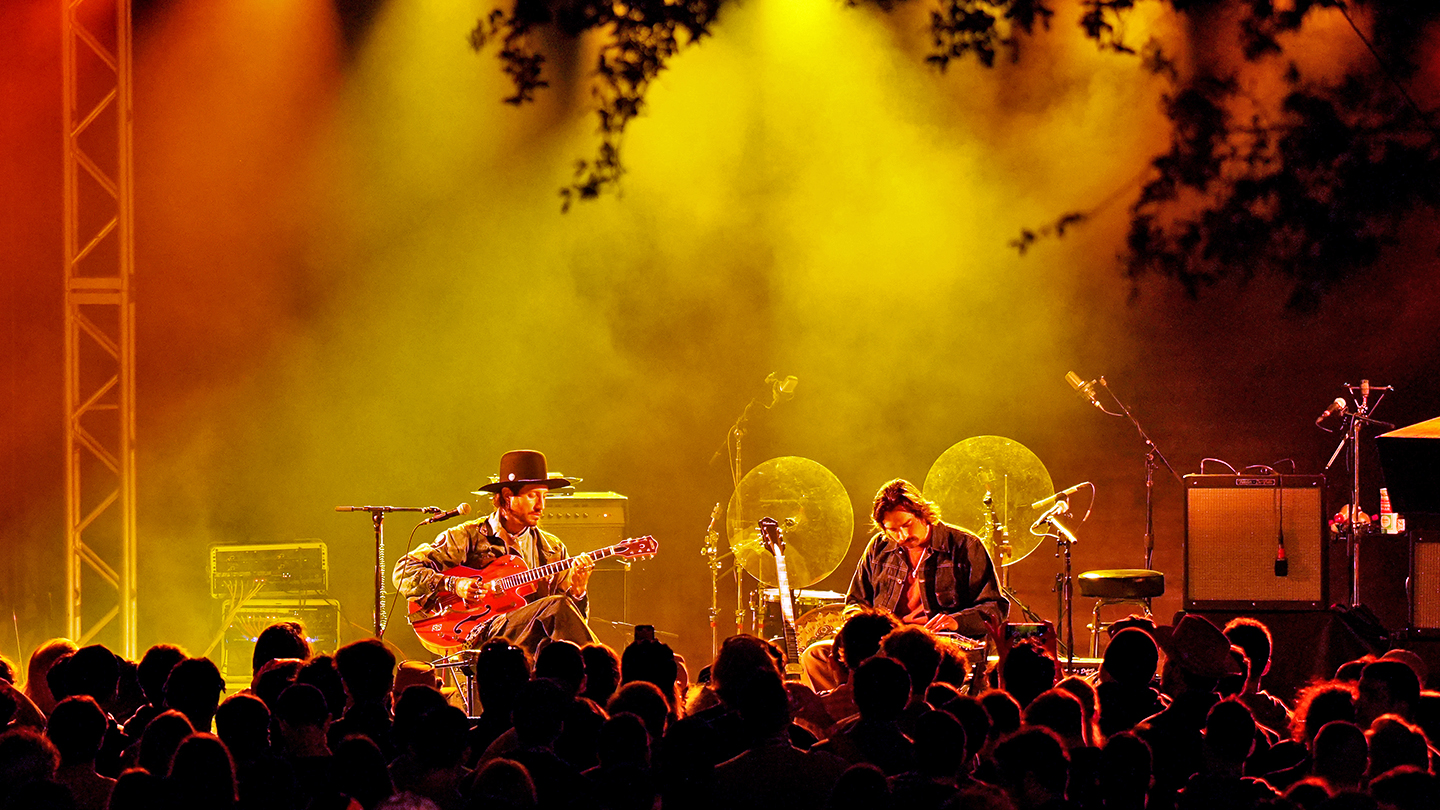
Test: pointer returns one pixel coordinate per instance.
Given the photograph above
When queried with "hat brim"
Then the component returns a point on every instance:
(516, 486)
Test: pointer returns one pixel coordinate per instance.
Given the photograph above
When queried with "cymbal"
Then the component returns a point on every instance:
(813, 510)
(1014, 476)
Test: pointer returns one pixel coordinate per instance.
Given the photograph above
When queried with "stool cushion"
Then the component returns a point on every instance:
(1122, 583)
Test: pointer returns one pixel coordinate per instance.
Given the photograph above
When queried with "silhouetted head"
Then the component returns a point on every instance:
(367, 668)
(280, 640)
(860, 636)
(561, 661)
(882, 688)
(77, 728)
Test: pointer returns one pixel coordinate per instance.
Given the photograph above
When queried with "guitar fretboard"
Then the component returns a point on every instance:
(550, 569)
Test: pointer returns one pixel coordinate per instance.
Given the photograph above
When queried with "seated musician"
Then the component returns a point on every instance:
(559, 605)
(924, 571)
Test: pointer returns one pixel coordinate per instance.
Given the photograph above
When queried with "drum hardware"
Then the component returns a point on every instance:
(811, 505)
(965, 480)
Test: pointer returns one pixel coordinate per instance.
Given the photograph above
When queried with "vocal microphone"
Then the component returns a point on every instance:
(1335, 407)
(1083, 388)
(1061, 494)
(462, 509)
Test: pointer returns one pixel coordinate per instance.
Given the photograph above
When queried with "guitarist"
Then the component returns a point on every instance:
(559, 605)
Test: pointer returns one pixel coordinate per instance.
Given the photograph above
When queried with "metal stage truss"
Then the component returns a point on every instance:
(99, 263)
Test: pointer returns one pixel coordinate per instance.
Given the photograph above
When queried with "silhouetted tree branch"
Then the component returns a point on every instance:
(1311, 190)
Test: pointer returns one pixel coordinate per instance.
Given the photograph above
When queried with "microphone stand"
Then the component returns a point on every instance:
(737, 472)
(1152, 454)
(1358, 418)
(1064, 582)
(377, 516)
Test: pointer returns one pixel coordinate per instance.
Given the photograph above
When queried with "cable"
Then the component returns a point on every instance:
(1227, 464)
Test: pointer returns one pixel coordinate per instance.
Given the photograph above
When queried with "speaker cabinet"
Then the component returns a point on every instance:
(585, 521)
(1425, 585)
(1233, 530)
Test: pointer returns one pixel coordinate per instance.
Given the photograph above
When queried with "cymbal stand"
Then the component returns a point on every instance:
(1152, 455)
(1000, 538)
(780, 390)
(711, 552)
(1356, 420)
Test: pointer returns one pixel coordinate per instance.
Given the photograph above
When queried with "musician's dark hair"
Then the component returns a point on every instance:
(904, 496)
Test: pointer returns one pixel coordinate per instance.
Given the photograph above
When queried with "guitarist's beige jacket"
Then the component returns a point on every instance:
(475, 544)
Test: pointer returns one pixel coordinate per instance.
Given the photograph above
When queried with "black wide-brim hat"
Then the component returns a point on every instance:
(522, 468)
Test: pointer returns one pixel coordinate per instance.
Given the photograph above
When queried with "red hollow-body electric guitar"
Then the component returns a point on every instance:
(447, 625)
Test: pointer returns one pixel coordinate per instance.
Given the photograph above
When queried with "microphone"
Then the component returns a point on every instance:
(1060, 506)
(1082, 388)
(462, 509)
(1335, 407)
(781, 389)
(1061, 494)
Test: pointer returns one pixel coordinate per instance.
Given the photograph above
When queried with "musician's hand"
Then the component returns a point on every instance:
(942, 623)
(469, 589)
(580, 574)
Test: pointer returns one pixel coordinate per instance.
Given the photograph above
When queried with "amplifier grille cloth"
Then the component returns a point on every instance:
(1232, 536)
(1426, 586)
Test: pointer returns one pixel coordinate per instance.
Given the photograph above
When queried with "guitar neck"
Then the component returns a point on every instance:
(550, 569)
(787, 613)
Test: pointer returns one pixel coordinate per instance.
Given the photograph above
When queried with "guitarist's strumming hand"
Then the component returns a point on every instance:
(470, 589)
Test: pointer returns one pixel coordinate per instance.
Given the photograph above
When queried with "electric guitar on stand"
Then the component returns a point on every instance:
(774, 540)
(446, 626)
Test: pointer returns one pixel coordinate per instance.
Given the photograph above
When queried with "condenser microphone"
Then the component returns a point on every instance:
(1335, 407)
(462, 509)
(1084, 389)
(1060, 494)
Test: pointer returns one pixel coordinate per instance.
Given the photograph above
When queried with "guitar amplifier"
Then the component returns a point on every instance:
(585, 521)
(301, 568)
(320, 617)
(1233, 527)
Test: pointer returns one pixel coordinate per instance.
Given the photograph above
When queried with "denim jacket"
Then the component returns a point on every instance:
(958, 576)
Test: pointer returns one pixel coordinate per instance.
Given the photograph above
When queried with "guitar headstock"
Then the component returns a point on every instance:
(771, 535)
(637, 548)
